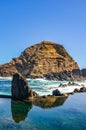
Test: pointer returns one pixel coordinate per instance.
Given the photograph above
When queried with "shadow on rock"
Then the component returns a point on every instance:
(20, 110)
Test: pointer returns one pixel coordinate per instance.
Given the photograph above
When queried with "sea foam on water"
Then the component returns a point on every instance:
(41, 86)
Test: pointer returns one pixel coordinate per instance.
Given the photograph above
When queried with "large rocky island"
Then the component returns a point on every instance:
(45, 59)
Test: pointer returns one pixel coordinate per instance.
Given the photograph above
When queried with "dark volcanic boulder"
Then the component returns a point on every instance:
(76, 90)
(20, 89)
(83, 89)
(56, 93)
(83, 72)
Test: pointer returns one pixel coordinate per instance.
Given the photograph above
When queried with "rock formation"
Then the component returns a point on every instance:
(45, 59)
(20, 89)
(82, 89)
(56, 93)
(83, 72)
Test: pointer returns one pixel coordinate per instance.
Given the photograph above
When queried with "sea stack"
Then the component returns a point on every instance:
(20, 89)
(46, 59)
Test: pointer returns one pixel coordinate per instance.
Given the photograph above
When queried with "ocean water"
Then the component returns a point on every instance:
(41, 86)
(69, 115)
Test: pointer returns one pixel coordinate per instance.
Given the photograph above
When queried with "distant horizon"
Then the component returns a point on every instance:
(26, 22)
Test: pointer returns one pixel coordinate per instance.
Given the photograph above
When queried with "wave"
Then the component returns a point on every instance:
(41, 86)
(5, 78)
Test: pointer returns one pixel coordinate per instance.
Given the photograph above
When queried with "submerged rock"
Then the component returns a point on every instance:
(20, 89)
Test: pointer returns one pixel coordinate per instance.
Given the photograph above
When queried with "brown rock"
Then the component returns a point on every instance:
(45, 59)
(20, 89)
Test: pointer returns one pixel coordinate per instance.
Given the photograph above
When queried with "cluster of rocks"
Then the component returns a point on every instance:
(69, 84)
(20, 89)
(76, 90)
(82, 89)
(69, 75)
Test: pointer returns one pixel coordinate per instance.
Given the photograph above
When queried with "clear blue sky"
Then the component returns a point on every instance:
(26, 22)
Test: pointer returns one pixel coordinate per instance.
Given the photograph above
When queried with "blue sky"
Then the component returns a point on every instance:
(26, 22)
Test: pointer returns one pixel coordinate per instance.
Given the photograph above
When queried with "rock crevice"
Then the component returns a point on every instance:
(42, 59)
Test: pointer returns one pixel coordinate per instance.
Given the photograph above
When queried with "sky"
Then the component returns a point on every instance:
(27, 22)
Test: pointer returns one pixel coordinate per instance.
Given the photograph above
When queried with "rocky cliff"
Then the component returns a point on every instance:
(44, 59)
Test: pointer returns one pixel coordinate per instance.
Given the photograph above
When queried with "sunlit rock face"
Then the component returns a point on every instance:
(40, 60)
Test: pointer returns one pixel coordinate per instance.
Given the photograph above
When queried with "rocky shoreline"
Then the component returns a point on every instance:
(21, 91)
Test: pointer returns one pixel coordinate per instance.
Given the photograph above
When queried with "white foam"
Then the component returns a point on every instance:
(6, 78)
(42, 86)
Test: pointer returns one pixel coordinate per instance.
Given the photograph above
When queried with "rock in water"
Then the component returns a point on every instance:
(83, 89)
(20, 89)
(45, 59)
(56, 93)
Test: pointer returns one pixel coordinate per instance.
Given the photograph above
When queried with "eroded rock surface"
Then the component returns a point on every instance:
(45, 59)
(20, 89)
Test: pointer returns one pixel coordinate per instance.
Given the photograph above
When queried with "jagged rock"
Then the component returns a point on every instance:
(83, 71)
(20, 89)
(73, 84)
(83, 89)
(76, 90)
(62, 85)
(45, 59)
(56, 93)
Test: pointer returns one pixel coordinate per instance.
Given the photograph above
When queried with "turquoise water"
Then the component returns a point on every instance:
(63, 114)
(16, 115)
(41, 86)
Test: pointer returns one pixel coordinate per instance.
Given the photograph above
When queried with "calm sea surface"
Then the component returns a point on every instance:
(71, 115)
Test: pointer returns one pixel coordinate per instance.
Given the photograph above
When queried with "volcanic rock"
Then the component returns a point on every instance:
(56, 93)
(76, 90)
(45, 59)
(83, 72)
(20, 89)
(83, 89)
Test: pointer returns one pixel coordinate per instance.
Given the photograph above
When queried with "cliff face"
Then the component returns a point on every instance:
(40, 60)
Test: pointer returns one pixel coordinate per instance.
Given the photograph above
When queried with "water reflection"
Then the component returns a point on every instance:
(20, 109)
(49, 102)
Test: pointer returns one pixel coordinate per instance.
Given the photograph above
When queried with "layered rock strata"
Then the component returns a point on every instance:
(45, 59)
